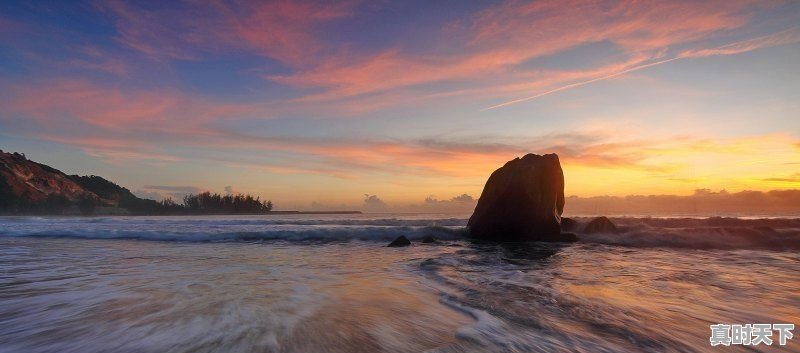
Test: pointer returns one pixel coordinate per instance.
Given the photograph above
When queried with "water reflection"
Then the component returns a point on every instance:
(62, 295)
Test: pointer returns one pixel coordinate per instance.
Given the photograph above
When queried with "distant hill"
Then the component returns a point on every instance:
(28, 187)
(34, 182)
(109, 192)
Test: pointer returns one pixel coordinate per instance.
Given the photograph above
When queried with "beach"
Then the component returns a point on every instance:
(327, 283)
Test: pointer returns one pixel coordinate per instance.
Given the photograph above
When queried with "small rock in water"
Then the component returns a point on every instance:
(600, 225)
(568, 224)
(429, 239)
(399, 242)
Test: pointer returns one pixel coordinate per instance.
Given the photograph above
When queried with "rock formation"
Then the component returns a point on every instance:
(600, 225)
(34, 182)
(522, 201)
(569, 224)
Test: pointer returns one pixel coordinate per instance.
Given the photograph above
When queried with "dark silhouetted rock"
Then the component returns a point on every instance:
(522, 201)
(429, 240)
(600, 225)
(399, 242)
(569, 224)
(567, 237)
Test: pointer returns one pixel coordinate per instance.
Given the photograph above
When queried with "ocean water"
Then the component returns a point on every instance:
(317, 283)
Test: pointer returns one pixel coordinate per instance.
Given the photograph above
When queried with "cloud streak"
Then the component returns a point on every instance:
(353, 95)
(497, 40)
(790, 36)
(283, 30)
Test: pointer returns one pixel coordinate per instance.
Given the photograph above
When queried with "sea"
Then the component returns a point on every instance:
(328, 283)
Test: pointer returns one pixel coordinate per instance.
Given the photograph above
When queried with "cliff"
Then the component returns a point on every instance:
(30, 187)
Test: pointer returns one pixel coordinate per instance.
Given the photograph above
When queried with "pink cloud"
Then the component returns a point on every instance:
(283, 30)
(111, 107)
(492, 44)
(117, 125)
(504, 36)
(93, 58)
(114, 150)
(162, 127)
(542, 26)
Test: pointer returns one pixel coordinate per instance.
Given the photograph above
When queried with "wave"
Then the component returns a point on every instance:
(338, 234)
(245, 221)
(700, 233)
(701, 238)
(696, 233)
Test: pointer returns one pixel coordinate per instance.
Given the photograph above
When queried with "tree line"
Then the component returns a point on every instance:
(206, 202)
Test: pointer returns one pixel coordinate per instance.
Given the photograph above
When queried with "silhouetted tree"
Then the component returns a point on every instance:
(206, 202)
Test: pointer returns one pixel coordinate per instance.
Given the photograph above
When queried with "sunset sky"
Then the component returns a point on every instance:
(312, 103)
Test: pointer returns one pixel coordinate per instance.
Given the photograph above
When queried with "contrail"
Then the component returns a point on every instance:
(782, 37)
(578, 84)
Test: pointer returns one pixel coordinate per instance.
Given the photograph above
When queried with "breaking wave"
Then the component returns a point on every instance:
(698, 233)
(308, 235)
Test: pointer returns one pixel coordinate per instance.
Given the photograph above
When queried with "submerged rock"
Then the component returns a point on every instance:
(569, 224)
(429, 240)
(522, 201)
(600, 225)
(567, 237)
(399, 242)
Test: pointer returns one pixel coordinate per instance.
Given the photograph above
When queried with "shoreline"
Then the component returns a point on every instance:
(271, 213)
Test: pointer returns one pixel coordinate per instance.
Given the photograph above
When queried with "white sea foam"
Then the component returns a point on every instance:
(323, 284)
(705, 233)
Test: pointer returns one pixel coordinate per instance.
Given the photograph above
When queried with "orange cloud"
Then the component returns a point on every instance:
(160, 128)
(120, 125)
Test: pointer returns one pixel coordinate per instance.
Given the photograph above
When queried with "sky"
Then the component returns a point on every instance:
(376, 104)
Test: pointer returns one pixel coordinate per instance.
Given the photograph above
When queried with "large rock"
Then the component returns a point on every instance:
(522, 201)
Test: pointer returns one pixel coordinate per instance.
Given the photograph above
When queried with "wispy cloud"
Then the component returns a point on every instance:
(790, 36)
(501, 37)
(324, 99)
(112, 107)
(793, 178)
(283, 30)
